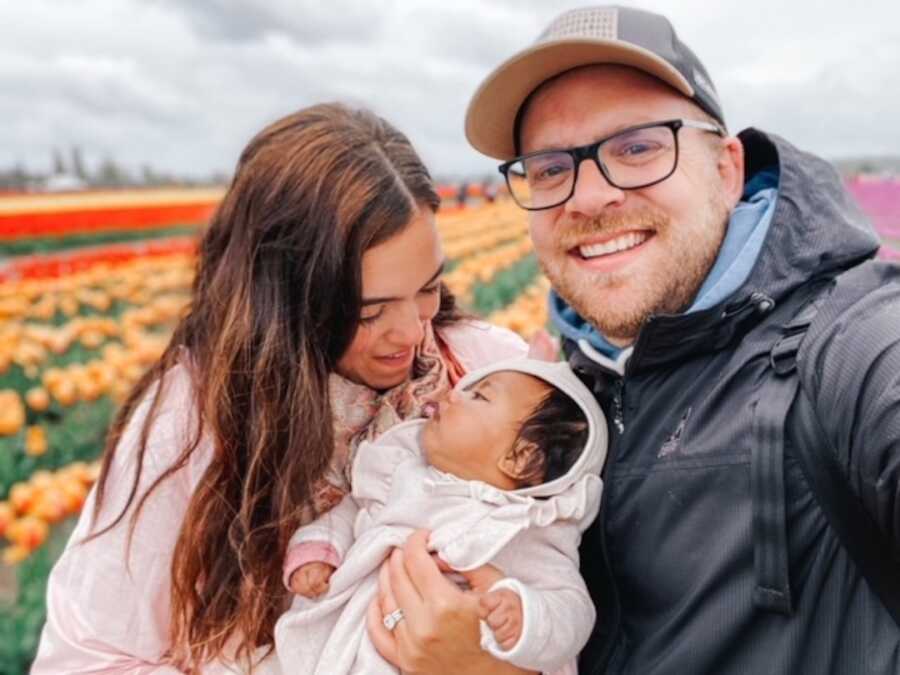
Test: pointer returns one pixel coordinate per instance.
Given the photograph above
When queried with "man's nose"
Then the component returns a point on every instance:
(593, 193)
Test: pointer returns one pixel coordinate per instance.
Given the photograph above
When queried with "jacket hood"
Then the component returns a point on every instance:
(560, 375)
(817, 229)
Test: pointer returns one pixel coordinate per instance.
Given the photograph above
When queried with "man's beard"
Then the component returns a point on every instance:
(601, 298)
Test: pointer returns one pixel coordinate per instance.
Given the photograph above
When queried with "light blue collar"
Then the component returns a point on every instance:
(747, 228)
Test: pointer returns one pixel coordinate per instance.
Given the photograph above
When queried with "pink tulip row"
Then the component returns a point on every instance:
(880, 199)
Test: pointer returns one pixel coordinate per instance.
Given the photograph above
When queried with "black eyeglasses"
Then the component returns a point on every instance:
(636, 157)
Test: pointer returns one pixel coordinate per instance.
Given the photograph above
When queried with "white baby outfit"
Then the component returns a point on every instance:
(531, 535)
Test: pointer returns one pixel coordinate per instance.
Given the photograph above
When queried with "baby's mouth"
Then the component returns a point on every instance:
(432, 411)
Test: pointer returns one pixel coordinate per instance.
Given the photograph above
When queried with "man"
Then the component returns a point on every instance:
(678, 256)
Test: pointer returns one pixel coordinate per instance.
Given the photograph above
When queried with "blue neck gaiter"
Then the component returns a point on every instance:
(747, 228)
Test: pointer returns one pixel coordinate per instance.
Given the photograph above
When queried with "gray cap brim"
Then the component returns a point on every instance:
(491, 116)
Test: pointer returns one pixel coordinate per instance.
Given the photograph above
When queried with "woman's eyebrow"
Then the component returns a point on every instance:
(378, 301)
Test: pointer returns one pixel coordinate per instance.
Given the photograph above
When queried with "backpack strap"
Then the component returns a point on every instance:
(770, 548)
(855, 528)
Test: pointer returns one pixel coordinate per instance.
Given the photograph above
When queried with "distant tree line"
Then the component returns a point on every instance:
(69, 169)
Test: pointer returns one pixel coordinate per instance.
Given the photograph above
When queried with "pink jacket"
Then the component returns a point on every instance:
(109, 615)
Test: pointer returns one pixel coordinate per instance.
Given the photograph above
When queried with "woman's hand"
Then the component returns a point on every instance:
(439, 633)
(543, 347)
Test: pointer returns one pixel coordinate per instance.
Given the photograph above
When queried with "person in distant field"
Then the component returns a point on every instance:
(462, 194)
(719, 296)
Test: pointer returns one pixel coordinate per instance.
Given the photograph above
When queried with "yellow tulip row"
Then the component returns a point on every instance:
(97, 288)
(493, 235)
(460, 224)
(483, 266)
(118, 368)
(528, 313)
(159, 288)
(45, 498)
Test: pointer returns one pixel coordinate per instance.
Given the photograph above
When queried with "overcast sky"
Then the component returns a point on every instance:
(182, 85)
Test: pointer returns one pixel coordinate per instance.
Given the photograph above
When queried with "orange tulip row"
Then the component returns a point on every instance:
(462, 224)
(46, 498)
(481, 267)
(528, 313)
(95, 289)
(160, 292)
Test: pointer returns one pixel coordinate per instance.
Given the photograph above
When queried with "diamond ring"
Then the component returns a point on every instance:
(391, 620)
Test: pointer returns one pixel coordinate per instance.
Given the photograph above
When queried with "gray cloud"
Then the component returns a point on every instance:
(307, 21)
(183, 85)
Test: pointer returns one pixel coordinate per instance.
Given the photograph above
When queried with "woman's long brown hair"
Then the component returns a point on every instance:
(275, 303)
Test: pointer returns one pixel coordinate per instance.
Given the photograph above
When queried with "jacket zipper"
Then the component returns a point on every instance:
(619, 406)
(614, 613)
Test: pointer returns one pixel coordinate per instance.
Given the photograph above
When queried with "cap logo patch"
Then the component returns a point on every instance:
(592, 22)
(703, 82)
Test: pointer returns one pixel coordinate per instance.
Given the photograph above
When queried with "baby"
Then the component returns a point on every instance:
(505, 471)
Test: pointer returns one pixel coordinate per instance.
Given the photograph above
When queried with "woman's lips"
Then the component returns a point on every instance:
(397, 359)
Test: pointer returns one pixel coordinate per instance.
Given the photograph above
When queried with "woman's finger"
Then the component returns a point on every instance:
(381, 637)
(404, 591)
(543, 347)
(441, 564)
(482, 578)
(425, 576)
(386, 600)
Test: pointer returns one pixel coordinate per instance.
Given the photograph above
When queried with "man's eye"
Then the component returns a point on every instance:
(638, 149)
(548, 173)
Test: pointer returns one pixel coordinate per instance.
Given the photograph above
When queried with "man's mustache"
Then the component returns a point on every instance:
(579, 230)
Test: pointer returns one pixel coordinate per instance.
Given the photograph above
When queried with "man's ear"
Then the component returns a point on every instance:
(731, 168)
(522, 463)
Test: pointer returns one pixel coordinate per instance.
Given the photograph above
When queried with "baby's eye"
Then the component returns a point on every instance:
(479, 396)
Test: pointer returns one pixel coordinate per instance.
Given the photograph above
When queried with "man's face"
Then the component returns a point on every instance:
(618, 256)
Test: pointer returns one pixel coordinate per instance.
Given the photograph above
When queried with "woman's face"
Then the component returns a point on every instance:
(400, 294)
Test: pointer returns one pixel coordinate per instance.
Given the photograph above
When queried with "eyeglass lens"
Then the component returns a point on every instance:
(632, 159)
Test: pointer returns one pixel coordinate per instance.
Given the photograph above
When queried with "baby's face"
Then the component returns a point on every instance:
(471, 431)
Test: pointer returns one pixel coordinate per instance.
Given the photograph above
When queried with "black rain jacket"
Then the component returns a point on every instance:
(670, 559)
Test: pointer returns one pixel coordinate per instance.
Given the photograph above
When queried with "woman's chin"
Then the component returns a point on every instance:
(382, 380)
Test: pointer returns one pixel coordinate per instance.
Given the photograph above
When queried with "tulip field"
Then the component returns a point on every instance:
(90, 288)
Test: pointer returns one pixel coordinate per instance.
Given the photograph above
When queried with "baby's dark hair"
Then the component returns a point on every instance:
(559, 429)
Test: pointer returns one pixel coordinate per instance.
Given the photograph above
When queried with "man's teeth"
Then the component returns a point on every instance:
(623, 243)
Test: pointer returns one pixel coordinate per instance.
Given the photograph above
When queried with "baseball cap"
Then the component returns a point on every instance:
(580, 37)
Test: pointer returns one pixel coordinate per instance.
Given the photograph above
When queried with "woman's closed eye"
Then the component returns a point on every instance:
(431, 290)
(372, 318)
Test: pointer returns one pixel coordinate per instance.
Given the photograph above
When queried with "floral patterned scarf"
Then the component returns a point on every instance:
(361, 414)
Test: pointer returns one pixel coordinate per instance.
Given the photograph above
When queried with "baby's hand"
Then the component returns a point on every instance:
(311, 580)
(502, 610)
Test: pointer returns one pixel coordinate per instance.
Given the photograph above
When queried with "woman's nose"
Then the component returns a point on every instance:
(409, 329)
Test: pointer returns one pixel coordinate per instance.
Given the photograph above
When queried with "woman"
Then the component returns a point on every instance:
(318, 319)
